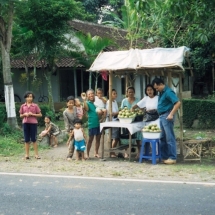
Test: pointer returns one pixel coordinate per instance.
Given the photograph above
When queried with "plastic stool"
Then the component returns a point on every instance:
(147, 155)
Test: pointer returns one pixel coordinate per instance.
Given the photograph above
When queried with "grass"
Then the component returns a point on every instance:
(10, 147)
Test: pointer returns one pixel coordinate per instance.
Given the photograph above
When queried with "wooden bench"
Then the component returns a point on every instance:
(193, 148)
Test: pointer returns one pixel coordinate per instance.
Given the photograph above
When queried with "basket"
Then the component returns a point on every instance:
(126, 120)
(151, 135)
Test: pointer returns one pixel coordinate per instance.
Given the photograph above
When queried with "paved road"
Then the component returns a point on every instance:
(20, 195)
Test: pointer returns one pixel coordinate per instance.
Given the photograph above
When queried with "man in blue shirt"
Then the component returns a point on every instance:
(168, 104)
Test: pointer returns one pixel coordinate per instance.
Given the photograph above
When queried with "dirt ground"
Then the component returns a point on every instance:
(54, 162)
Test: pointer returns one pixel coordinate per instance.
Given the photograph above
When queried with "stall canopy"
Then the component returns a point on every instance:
(135, 59)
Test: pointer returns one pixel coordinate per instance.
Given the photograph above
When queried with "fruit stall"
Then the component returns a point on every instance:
(164, 62)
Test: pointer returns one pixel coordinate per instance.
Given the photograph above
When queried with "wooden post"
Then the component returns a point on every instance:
(181, 115)
(169, 79)
(82, 84)
(75, 82)
(103, 134)
(213, 78)
(110, 107)
(126, 82)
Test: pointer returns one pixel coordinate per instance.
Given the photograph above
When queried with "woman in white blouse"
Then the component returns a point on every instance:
(150, 102)
(115, 111)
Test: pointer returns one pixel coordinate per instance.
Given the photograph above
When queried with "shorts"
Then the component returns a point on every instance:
(94, 131)
(30, 132)
(80, 145)
(115, 133)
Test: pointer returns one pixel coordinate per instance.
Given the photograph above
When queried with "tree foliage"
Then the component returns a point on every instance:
(41, 30)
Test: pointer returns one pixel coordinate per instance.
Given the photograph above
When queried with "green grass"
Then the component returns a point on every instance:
(10, 147)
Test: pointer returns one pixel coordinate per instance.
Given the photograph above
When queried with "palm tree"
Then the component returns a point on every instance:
(92, 47)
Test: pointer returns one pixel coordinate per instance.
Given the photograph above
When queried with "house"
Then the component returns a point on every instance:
(71, 78)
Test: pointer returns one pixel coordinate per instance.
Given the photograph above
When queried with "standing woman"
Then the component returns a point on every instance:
(129, 102)
(29, 112)
(115, 111)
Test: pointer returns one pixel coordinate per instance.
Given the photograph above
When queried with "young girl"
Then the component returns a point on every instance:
(79, 108)
(79, 139)
(100, 103)
(51, 130)
(29, 112)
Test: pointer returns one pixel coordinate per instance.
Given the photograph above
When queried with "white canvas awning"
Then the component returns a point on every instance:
(140, 59)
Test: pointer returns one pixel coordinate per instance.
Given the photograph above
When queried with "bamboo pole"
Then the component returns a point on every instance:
(181, 115)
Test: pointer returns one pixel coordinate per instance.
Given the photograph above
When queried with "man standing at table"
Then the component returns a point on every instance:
(168, 104)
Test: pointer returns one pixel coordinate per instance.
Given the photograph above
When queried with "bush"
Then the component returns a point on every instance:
(203, 110)
(3, 114)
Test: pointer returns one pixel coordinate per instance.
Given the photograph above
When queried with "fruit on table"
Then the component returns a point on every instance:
(126, 113)
(151, 128)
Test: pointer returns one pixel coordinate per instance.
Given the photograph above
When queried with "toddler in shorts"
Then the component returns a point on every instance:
(100, 103)
(79, 139)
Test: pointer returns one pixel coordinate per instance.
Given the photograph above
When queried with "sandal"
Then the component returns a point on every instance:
(38, 157)
(26, 158)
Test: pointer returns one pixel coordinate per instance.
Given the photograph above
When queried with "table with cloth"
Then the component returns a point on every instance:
(132, 128)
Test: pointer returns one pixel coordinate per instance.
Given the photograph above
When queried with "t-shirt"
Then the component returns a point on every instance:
(33, 108)
(98, 102)
(69, 119)
(126, 103)
(167, 99)
(114, 107)
(93, 119)
(148, 103)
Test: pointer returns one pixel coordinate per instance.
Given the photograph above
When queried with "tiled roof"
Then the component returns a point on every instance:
(116, 34)
(63, 62)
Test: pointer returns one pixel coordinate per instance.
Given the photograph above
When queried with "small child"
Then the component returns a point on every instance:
(100, 103)
(79, 139)
(79, 108)
(51, 130)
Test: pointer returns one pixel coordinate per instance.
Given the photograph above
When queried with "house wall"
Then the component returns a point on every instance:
(56, 79)
(20, 88)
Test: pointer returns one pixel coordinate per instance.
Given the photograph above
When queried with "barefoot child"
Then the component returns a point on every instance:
(79, 139)
(79, 108)
(51, 130)
(93, 121)
(100, 103)
(29, 112)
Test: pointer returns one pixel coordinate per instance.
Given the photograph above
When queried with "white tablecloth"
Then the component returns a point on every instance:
(132, 127)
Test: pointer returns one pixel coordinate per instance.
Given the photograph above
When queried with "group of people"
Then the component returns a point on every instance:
(96, 106)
